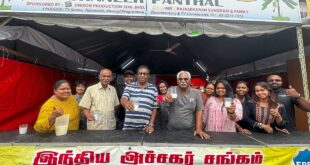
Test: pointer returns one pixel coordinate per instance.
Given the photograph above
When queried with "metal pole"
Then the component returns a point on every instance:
(4, 22)
(302, 61)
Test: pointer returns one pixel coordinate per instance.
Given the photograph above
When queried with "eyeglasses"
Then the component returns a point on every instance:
(181, 79)
(143, 73)
(276, 80)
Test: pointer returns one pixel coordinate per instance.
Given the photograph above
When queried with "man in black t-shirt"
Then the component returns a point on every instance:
(129, 77)
(288, 97)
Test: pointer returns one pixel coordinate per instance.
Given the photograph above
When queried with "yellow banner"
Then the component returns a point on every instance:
(117, 155)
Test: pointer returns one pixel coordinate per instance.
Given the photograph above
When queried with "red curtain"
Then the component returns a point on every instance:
(24, 88)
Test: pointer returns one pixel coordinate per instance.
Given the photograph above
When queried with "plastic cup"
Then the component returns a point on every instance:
(227, 102)
(202, 89)
(23, 128)
(174, 94)
(61, 125)
(61, 130)
(96, 115)
(135, 105)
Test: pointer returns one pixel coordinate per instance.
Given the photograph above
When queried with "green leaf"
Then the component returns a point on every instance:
(266, 3)
(288, 4)
(274, 4)
(292, 2)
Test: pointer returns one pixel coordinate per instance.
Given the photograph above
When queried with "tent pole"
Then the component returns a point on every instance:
(302, 61)
(4, 22)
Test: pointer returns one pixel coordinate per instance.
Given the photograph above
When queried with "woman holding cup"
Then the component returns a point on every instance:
(62, 102)
(222, 110)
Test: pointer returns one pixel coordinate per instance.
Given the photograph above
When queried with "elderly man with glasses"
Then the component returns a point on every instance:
(288, 97)
(140, 101)
(185, 106)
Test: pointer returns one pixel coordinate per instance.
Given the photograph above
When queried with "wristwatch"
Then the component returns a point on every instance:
(260, 125)
(150, 124)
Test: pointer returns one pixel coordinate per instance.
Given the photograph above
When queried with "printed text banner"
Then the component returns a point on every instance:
(242, 10)
(152, 155)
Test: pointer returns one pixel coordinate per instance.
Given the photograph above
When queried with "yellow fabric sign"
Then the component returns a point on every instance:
(19, 155)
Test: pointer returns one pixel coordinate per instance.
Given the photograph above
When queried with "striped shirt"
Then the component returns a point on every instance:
(147, 98)
(102, 101)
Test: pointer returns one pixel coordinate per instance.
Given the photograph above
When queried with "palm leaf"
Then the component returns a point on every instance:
(266, 3)
(292, 2)
(288, 4)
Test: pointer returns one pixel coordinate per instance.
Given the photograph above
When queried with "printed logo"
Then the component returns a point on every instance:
(303, 158)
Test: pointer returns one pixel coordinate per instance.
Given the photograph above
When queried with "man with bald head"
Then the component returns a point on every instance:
(100, 102)
(288, 97)
(185, 109)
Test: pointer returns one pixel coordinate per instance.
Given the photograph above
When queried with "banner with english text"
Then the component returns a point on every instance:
(243, 10)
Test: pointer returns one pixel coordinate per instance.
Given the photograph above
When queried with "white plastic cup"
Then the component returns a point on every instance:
(202, 89)
(96, 115)
(23, 128)
(61, 130)
(61, 125)
(135, 105)
(174, 94)
(227, 102)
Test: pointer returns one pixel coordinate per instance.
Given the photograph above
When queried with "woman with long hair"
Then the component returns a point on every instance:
(162, 90)
(266, 114)
(221, 116)
(162, 113)
(242, 89)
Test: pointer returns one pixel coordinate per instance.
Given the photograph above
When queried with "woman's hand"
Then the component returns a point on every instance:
(232, 108)
(55, 113)
(275, 112)
(244, 131)
(267, 128)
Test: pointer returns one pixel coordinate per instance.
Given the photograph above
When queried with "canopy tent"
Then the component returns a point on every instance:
(167, 47)
(113, 43)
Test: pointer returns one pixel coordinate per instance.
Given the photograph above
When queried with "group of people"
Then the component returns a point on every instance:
(140, 105)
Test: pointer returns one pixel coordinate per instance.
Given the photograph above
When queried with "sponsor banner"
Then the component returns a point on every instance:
(249, 10)
(244, 10)
(96, 7)
(152, 155)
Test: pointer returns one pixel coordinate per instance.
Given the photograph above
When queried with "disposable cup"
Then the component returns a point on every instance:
(136, 105)
(227, 102)
(23, 128)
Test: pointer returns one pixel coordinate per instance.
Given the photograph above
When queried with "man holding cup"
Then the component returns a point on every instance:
(288, 97)
(185, 106)
(140, 101)
(100, 102)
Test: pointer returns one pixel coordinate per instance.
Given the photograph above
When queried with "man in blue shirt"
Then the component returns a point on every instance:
(141, 116)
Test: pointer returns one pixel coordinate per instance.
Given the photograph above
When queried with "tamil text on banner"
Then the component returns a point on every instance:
(153, 155)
